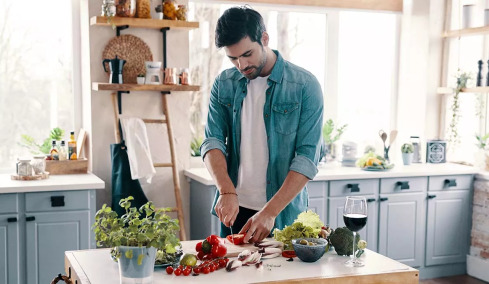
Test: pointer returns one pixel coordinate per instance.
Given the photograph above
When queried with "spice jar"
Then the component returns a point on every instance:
(169, 10)
(38, 164)
(125, 8)
(24, 168)
(182, 13)
(143, 8)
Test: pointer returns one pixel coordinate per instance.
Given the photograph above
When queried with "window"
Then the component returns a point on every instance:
(37, 75)
(353, 55)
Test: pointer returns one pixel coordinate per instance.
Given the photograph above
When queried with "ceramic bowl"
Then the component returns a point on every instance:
(308, 253)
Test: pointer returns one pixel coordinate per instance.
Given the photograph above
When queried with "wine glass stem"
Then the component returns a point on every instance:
(354, 254)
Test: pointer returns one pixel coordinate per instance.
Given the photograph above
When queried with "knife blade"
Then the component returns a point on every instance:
(232, 235)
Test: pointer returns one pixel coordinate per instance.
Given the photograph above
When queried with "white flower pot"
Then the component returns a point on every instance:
(140, 80)
(132, 272)
(407, 158)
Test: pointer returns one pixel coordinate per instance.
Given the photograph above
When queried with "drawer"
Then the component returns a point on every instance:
(353, 187)
(9, 203)
(401, 184)
(317, 188)
(57, 200)
(453, 182)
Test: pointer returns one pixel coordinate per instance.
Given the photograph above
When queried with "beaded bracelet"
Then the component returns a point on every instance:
(228, 193)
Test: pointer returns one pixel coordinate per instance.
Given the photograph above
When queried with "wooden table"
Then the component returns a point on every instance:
(96, 267)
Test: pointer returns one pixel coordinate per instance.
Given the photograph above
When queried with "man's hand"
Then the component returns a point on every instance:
(227, 208)
(258, 227)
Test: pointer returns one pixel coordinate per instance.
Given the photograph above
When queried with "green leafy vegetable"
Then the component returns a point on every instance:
(307, 225)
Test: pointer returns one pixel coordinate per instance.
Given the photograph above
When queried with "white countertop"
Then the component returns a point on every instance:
(344, 173)
(53, 183)
(96, 267)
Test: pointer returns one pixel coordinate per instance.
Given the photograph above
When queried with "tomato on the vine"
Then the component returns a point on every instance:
(169, 269)
(177, 272)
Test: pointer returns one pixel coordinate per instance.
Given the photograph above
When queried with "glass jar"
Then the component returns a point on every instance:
(125, 8)
(24, 168)
(169, 10)
(143, 8)
(38, 164)
(181, 13)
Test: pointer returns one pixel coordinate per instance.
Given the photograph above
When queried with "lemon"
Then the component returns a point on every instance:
(188, 260)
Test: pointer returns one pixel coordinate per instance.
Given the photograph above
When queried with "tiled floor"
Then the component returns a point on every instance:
(460, 279)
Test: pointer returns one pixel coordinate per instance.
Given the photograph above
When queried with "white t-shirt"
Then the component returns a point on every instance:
(252, 173)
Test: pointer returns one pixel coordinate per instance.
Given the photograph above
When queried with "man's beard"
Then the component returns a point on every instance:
(258, 69)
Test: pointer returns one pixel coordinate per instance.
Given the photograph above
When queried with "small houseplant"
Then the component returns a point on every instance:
(329, 138)
(30, 143)
(482, 154)
(140, 79)
(407, 150)
(135, 238)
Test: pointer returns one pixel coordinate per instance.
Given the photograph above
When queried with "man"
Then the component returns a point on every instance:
(263, 131)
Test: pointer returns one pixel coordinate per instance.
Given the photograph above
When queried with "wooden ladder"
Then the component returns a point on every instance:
(116, 102)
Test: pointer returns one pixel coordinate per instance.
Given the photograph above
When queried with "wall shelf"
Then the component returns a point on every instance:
(144, 23)
(136, 87)
(467, 32)
(475, 90)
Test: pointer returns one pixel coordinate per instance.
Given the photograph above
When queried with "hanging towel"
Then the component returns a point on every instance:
(137, 143)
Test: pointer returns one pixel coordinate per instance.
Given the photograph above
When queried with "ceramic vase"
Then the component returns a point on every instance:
(407, 158)
(133, 272)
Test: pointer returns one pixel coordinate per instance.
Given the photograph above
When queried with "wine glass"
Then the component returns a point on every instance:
(355, 218)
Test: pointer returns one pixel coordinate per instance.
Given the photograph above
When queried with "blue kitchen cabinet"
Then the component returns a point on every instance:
(9, 249)
(317, 191)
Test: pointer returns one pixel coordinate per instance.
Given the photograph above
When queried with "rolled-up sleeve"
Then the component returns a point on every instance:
(308, 143)
(216, 129)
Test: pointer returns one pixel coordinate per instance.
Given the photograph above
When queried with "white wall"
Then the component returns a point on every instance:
(142, 104)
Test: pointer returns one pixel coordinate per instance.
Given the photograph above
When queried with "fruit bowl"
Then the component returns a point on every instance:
(307, 252)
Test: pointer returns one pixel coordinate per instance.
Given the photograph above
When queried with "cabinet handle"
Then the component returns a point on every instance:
(451, 182)
(403, 184)
(353, 187)
(383, 199)
(371, 200)
(12, 220)
(431, 196)
(30, 218)
(57, 201)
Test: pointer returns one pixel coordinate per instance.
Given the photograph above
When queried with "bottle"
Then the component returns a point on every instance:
(62, 151)
(72, 147)
(54, 151)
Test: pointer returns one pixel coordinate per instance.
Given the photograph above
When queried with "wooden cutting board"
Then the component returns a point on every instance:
(233, 250)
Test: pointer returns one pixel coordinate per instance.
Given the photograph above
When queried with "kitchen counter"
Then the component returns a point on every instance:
(327, 173)
(96, 267)
(53, 183)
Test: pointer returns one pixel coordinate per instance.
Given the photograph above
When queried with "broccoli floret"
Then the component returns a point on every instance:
(342, 241)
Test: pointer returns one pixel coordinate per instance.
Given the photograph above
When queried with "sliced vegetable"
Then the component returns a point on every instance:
(237, 239)
(288, 253)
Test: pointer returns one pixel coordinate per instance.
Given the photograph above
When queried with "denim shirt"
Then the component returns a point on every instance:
(293, 115)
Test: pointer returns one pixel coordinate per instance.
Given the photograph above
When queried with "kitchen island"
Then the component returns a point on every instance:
(96, 267)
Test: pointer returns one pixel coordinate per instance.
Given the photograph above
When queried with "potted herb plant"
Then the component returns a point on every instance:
(329, 138)
(134, 238)
(407, 150)
(140, 79)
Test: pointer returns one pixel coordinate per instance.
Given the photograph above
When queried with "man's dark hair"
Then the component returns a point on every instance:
(237, 23)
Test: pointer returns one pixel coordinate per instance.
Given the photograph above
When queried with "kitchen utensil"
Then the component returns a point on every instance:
(153, 73)
(171, 77)
(393, 136)
(116, 65)
(134, 50)
(383, 136)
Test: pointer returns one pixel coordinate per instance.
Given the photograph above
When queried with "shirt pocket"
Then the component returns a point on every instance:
(286, 117)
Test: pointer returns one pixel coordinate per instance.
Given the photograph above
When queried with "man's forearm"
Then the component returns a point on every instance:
(216, 165)
(293, 184)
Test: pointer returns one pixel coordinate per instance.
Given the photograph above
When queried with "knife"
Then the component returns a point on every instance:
(232, 235)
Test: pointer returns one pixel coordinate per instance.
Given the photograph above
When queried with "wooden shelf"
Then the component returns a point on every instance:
(467, 32)
(446, 90)
(136, 87)
(144, 23)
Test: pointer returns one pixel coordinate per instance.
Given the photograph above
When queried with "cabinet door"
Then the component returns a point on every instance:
(402, 220)
(448, 227)
(369, 232)
(48, 236)
(318, 205)
(9, 249)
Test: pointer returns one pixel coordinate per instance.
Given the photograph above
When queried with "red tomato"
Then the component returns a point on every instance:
(200, 255)
(198, 247)
(213, 240)
(219, 250)
(196, 270)
(169, 270)
(177, 272)
(238, 239)
(288, 253)
(206, 270)
(186, 272)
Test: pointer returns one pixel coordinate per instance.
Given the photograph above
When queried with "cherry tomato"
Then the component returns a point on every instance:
(169, 270)
(181, 267)
(237, 239)
(198, 247)
(177, 272)
(196, 270)
(222, 262)
(213, 240)
(219, 250)
(186, 272)
(212, 268)
(206, 270)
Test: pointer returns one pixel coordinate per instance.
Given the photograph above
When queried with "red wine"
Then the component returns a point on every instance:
(355, 222)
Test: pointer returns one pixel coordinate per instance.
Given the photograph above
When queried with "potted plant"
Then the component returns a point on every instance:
(30, 143)
(140, 79)
(407, 150)
(328, 150)
(134, 238)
